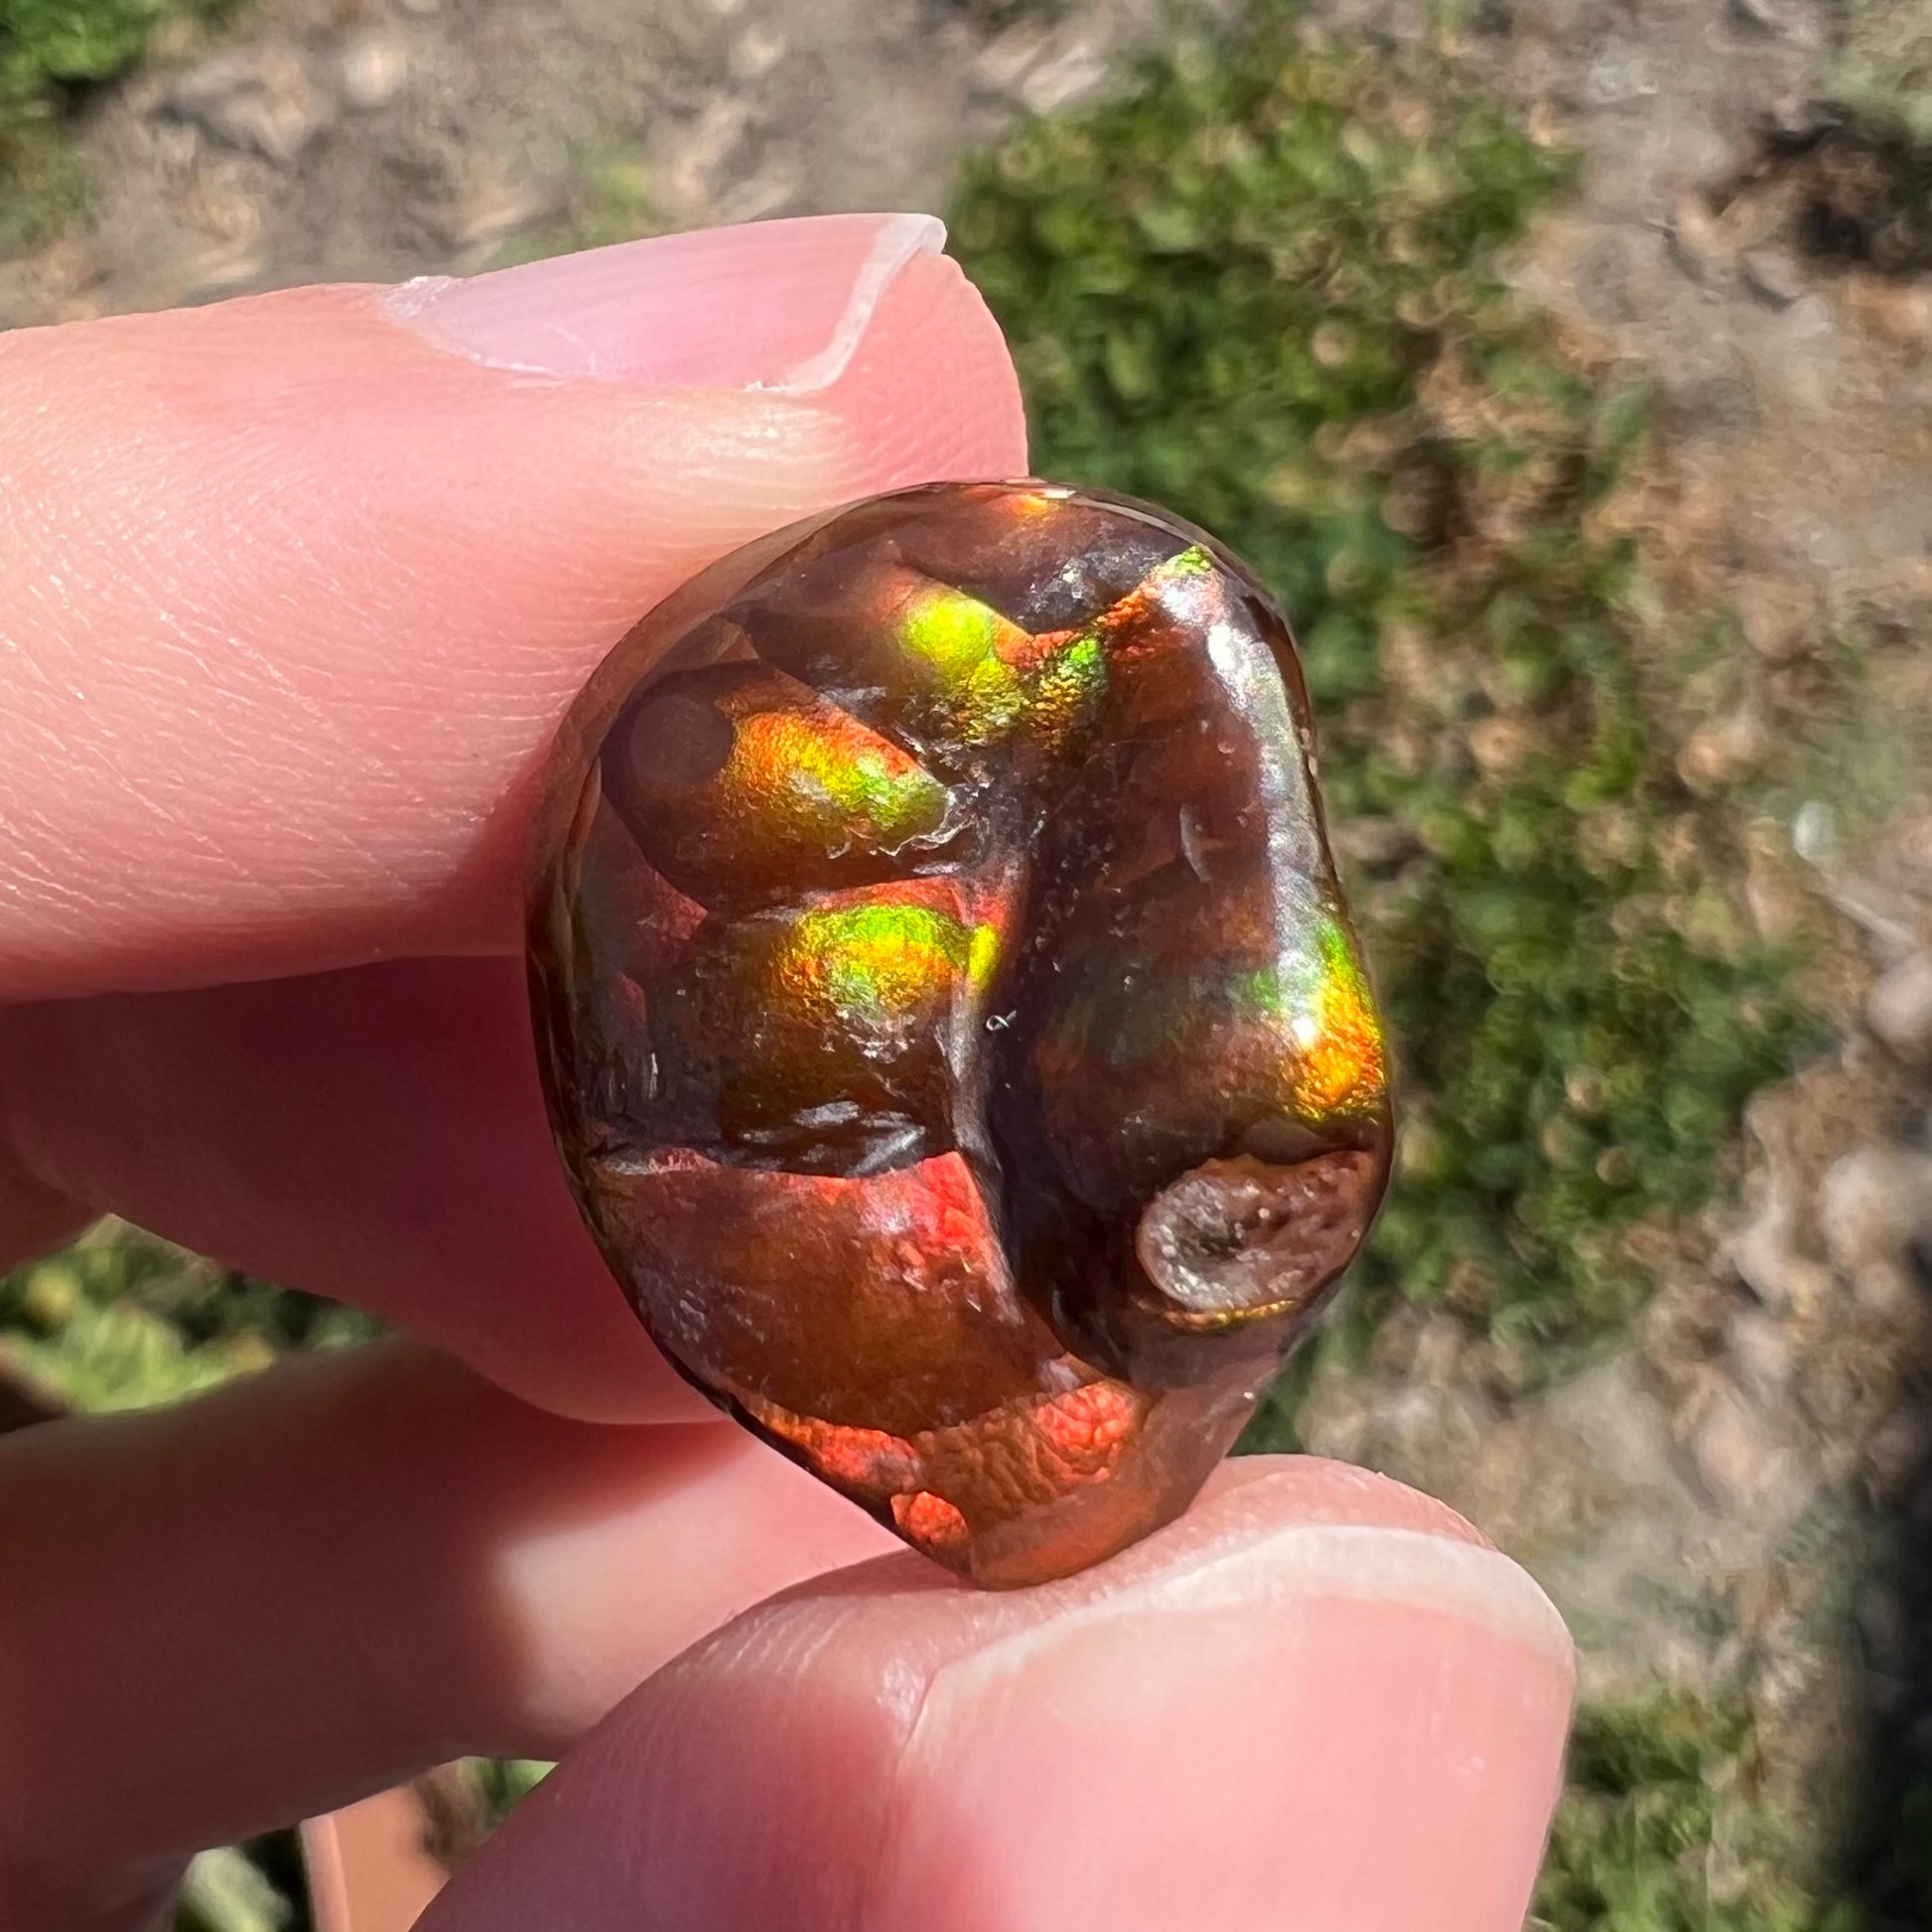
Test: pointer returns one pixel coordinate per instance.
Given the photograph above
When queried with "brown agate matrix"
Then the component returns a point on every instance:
(951, 1023)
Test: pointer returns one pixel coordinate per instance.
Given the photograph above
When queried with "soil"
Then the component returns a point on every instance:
(1739, 1499)
(353, 140)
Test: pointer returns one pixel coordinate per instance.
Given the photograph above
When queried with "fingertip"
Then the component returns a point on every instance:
(931, 393)
(1318, 1701)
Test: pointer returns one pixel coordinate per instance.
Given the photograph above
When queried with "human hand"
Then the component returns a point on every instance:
(294, 591)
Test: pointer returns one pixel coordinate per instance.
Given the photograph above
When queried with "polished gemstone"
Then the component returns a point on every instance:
(952, 1025)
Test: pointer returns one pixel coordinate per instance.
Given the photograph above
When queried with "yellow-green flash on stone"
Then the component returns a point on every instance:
(878, 960)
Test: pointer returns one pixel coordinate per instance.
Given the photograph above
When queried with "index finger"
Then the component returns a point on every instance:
(295, 588)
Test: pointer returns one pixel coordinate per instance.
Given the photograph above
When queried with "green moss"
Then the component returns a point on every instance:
(1260, 287)
(48, 50)
(122, 1321)
(1883, 74)
(47, 44)
(505, 1782)
(1659, 1831)
(228, 1891)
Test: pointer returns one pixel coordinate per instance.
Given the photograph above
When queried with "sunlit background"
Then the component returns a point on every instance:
(1568, 370)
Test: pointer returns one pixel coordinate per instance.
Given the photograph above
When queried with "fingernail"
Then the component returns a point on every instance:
(774, 306)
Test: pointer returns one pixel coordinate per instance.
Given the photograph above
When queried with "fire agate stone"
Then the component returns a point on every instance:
(951, 1023)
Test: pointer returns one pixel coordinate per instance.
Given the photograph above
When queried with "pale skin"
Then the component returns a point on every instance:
(292, 591)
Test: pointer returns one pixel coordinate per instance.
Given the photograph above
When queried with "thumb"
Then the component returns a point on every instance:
(295, 587)
(1318, 1703)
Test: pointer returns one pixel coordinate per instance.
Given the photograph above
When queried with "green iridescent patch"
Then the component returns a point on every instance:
(995, 678)
(879, 961)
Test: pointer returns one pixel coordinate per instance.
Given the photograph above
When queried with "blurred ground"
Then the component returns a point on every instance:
(367, 141)
(1702, 1502)
(1725, 1476)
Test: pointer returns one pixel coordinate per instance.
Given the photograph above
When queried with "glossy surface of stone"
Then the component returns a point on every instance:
(951, 1023)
